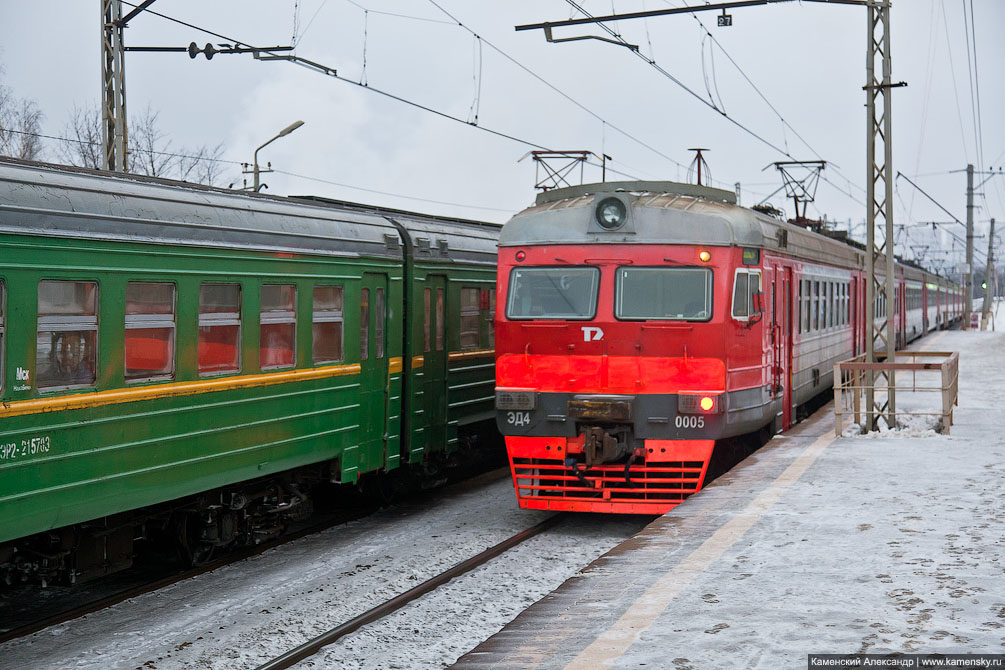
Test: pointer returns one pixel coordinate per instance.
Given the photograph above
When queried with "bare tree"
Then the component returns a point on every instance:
(81, 145)
(20, 125)
(151, 151)
(204, 166)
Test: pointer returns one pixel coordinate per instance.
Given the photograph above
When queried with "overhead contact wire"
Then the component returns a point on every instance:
(555, 88)
(333, 73)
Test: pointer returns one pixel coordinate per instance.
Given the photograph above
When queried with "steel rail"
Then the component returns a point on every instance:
(313, 646)
(149, 587)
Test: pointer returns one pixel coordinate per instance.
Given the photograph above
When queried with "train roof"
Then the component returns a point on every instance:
(44, 199)
(434, 238)
(662, 212)
(667, 213)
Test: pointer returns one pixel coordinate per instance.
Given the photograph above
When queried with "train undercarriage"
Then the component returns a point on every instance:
(197, 528)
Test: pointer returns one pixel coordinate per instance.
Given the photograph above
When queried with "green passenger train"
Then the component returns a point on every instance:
(198, 359)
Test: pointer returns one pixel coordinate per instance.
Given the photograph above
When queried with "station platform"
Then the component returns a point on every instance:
(812, 545)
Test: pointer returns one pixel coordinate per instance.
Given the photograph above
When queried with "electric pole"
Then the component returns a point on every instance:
(879, 197)
(968, 269)
(988, 291)
(113, 88)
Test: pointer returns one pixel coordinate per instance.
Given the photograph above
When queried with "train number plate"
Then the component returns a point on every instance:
(518, 418)
(689, 421)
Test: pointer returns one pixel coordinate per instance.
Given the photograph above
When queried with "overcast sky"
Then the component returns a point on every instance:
(805, 63)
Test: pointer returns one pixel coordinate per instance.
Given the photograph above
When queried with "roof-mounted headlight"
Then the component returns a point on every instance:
(611, 213)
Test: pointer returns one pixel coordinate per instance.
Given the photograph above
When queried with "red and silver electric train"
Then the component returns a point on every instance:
(637, 323)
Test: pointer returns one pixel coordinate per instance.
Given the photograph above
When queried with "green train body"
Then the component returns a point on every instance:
(159, 341)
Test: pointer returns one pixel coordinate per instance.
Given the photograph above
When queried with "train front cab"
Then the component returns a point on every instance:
(607, 407)
(615, 403)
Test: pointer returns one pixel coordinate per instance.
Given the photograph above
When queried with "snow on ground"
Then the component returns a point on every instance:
(812, 546)
(247, 613)
(243, 615)
(436, 630)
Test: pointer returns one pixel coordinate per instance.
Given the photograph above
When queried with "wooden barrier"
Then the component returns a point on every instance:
(850, 385)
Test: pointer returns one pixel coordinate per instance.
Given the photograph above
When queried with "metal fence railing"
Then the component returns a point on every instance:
(850, 386)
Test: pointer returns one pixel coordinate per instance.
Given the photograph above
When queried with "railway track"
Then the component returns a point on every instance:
(101, 603)
(314, 645)
(75, 611)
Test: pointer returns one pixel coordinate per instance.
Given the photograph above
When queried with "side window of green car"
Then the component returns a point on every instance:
(67, 334)
(150, 331)
(326, 326)
(470, 319)
(3, 305)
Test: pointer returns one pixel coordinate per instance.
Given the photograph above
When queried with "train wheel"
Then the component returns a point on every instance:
(191, 550)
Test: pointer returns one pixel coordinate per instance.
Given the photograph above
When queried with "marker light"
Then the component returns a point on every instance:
(704, 256)
(520, 255)
(698, 404)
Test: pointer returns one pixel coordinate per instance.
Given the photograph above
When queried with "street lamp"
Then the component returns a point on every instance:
(282, 133)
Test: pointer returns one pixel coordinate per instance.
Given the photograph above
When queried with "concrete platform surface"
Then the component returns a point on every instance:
(867, 544)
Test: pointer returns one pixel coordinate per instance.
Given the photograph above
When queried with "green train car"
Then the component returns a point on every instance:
(198, 360)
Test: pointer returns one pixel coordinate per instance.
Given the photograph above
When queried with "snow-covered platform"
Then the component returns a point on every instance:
(815, 544)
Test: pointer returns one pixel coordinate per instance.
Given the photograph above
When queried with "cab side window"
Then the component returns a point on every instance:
(67, 334)
(746, 284)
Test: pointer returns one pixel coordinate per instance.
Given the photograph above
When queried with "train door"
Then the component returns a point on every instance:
(901, 308)
(434, 368)
(853, 316)
(373, 358)
(924, 308)
(779, 291)
(782, 328)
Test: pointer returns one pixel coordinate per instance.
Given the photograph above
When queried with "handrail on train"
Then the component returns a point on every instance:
(850, 385)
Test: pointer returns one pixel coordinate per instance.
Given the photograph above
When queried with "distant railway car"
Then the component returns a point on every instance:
(640, 322)
(196, 359)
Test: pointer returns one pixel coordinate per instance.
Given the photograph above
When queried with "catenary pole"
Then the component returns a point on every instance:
(988, 270)
(968, 269)
(114, 137)
(879, 197)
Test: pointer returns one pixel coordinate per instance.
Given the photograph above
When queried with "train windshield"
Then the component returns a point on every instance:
(553, 293)
(664, 293)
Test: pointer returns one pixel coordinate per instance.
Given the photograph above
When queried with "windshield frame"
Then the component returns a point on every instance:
(709, 294)
(595, 293)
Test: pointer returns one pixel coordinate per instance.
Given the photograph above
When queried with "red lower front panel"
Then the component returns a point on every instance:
(671, 471)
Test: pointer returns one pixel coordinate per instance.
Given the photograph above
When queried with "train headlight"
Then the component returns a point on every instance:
(698, 403)
(611, 213)
(508, 399)
(704, 256)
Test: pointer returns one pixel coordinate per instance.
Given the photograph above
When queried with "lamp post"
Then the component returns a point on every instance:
(282, 133)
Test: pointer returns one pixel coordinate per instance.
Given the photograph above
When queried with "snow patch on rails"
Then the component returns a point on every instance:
(244, 614)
